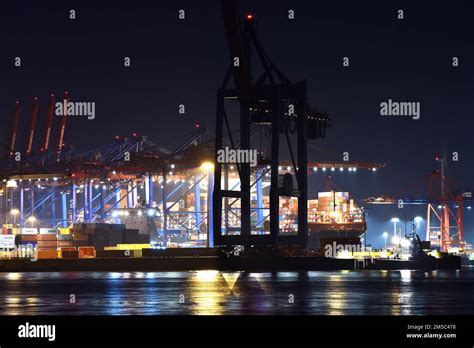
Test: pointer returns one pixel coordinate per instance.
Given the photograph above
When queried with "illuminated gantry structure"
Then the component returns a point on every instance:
(176, 194)
(49, 184)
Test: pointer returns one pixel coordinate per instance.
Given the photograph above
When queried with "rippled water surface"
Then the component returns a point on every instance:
(213, 292)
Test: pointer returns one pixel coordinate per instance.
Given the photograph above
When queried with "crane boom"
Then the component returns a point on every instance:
(62, 125)
(31, 131)
(49, 124)
(233, 31)
(14, 129)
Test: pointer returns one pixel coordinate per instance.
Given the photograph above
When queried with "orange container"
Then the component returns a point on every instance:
(28, 237)
(47, 243)
(47, 254)
(48, 237)
(86, 252)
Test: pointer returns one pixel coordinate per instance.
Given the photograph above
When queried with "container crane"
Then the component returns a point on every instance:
(265, 102)
(443, 234)
(14, 129)
(62, 127)
(48, 125)
(32, 127)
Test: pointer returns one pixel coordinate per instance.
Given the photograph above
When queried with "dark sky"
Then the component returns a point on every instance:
(183, 62)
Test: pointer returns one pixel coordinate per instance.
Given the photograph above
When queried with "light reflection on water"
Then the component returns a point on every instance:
(215, 293)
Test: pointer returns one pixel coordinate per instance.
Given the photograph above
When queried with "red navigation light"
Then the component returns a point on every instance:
(197, 125)
(249, 16)
(134, 134)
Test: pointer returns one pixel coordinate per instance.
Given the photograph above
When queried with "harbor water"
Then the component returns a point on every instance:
(231, 293)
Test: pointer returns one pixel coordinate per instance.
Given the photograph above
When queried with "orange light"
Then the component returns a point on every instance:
(249, 17)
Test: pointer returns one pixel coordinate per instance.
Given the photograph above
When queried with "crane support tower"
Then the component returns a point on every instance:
(274, 102)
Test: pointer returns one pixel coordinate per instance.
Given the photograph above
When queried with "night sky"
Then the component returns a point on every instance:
(183, 62)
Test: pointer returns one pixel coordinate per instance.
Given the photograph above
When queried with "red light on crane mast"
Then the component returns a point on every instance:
(249, 17)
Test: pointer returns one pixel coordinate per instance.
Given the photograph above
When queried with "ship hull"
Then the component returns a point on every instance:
(320, 234)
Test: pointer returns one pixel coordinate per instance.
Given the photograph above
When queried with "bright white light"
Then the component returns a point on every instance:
(172, 166)
(418, 219)
(341, 169)
(315, 169)
(324, 169)
(395, 219)
(12, 184)
(395, 240)
(207, 166)
(350, 169)
(385, 235)
(374, 169)
(115, 213)
(333, 169)
(139, 213)
(151, 212)
(405, 243)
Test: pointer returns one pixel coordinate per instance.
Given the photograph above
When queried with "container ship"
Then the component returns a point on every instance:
(334, 216)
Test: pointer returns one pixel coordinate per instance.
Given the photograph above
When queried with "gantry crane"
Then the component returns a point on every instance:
(439, 230)
(272, 101)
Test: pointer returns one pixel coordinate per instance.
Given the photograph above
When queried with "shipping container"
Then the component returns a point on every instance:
(28, 237)
(64, 237)
(48, 254)
(64, 243)
(47, 242)
(64, 230)
(86, 252)
(44, 237)
(69, 254)
(48, 231)
(29, 230)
